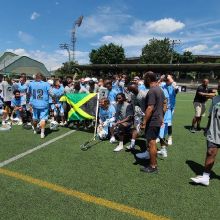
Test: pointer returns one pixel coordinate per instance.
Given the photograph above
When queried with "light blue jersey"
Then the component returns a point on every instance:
(23, 88)
(142, 87)
(18, 102)
(112, 96)
(39, 92)
(105, 114)
(172, 95)
(58, 92)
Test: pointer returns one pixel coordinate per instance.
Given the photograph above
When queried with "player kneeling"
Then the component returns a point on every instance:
(106, 118)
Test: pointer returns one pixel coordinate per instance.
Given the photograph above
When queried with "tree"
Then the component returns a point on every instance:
(107, 54)
(67, 69)
(187, 57)
(157, 52)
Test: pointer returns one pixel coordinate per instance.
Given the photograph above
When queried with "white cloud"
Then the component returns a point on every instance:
(34, 15)
(197, 48)
(52, 60)
(25, 37)
(162, 26)
(104, 20)
(126, 40)
(216, 47)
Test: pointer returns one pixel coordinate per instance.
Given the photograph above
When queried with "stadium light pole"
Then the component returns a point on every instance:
(76, 24)
(66, 47)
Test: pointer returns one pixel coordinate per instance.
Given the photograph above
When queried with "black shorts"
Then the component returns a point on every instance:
(212, 145)
(152, 133)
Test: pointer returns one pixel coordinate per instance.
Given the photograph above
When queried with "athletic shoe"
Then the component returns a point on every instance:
(112, 140)
(62, 123)
(35, 131)
(149, 169)
(192, 130)
(201, 179)
(170, 140)
(145, 155)
(131, 146)
(4, 123)
(162, 153)
(20, 123)
(157, 140)
(118, 148)
(42, 135)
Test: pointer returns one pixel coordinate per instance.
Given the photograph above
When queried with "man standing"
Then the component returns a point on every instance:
(202, 94)
(153, 119)
(213, 140)
(39, 99)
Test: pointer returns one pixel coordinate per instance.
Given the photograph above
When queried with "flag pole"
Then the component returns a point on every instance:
(96, 116)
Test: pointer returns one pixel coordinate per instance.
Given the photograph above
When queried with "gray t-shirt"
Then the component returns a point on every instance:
(123, 111)
(155, 97)
(140, 100)
(213, 133)
(7, 91)
(69, 89)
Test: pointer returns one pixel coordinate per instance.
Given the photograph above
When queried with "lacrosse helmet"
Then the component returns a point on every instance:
(54, 125)
(101, 132)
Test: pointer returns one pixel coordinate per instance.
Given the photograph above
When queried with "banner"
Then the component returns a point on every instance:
(83, 105)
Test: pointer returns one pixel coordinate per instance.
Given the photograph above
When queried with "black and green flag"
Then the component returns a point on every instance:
(83, 105)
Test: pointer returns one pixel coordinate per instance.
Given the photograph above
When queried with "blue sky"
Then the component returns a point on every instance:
(37, 27)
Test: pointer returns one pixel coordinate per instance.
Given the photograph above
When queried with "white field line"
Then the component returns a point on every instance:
(19, 156)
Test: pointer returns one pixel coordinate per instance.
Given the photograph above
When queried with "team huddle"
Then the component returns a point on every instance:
(127, 108)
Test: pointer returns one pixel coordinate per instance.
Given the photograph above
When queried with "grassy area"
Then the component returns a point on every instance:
(113, 176)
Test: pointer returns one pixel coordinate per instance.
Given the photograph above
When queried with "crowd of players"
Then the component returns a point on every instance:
(127, 106)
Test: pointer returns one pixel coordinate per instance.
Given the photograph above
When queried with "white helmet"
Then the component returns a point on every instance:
(54, 125)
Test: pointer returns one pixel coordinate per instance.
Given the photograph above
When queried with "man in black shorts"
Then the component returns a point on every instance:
(155, 101)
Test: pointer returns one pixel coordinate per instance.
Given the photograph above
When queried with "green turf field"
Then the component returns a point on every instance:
(112, 176)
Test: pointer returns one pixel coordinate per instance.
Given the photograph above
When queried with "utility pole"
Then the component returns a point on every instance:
(173, 44)
(66, 47)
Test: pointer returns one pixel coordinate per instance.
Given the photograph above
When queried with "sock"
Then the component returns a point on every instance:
(42, 130)
(121, 143)
(206, 175)
(132, 141)
(163, 147)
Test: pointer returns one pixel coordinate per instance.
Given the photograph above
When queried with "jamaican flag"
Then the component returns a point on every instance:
(82, 105)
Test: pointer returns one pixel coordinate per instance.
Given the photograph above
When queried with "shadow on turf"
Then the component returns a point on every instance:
(142, 145)
(198, 170)
(188, 127)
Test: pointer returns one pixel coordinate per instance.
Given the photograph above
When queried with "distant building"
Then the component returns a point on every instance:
(12, 64)
(199, 58)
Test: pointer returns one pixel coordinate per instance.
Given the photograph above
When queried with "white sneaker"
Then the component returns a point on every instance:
(62, 123)
(112, 140)
(42, 135)
(118, 148)
(35, 132)
(4, 123)
(145, 155)
(131, 146)
(170, 141)
(20, 123)
(162, 152)
(157, 140)
(201, 179)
